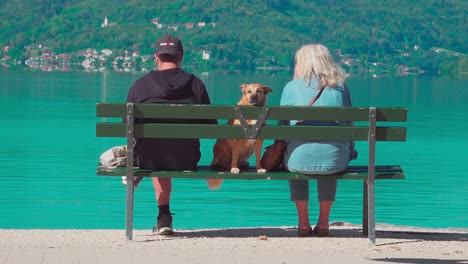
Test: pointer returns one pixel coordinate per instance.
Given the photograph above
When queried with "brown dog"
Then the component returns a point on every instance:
(232, 154)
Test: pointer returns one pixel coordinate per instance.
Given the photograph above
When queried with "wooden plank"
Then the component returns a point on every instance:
(204, 172)
(111, 129)
(323, 113)
(392, 114)
(157, 130)
(120, 171)
(386, 114)
(111, 110)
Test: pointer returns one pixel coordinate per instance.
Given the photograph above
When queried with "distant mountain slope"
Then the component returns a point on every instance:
(250, 32)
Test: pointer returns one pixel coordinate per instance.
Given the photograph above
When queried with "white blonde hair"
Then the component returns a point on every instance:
(314, 61)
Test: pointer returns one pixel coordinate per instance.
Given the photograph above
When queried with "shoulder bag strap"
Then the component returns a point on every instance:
(316, 97)
(312, 102)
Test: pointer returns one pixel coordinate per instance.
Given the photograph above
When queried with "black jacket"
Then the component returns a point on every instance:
(169, 86)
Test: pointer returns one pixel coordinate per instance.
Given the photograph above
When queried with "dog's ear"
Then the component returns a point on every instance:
(266, 90)
(243, 86)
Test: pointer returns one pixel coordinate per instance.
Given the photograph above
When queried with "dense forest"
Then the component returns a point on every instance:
(247, 34)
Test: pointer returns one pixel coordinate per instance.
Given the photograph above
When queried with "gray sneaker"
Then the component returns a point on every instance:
(164, 225)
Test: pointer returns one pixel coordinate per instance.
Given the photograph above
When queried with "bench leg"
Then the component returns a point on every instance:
(368, 212)
(129, 212)
(130, 174)
(371, 212)
(365, 211)
(371, 175)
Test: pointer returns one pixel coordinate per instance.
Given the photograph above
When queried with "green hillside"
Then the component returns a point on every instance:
(244, 34)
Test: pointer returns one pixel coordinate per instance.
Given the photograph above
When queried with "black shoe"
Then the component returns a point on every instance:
(164, 225)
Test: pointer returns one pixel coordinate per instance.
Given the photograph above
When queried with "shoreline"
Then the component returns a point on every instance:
(394, 244)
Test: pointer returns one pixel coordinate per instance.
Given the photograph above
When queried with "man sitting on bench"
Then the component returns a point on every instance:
(169, 84)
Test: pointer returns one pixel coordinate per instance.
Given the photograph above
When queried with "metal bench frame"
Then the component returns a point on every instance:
(370, 133)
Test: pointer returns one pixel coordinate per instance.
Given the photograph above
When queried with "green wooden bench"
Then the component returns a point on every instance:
(112, 126)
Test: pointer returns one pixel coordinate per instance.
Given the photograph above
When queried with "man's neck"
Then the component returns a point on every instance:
(167, 66)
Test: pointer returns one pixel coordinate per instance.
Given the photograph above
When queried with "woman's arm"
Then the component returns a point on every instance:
(347, 102)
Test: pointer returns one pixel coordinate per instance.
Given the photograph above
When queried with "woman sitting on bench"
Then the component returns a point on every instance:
(316, 76)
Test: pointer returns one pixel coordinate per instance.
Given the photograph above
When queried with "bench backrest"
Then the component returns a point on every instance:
(367, 118)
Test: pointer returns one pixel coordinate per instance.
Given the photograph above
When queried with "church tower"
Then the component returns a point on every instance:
(104, 23)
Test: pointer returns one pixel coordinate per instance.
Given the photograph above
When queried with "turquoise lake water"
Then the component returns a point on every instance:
(49, 153)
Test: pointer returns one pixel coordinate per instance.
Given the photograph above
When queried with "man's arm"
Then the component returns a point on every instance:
(130, 99)
(205, 99)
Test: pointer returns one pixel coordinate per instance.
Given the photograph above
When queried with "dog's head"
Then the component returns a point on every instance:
(254, 93)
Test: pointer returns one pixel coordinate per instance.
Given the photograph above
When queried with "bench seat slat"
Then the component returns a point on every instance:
(250, 112)
(266, 132)
(203, 172)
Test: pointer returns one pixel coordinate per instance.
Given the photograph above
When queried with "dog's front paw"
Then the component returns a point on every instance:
(235, 170)
(261, 171)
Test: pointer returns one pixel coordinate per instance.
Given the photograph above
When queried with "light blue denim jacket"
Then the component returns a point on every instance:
(316, 157)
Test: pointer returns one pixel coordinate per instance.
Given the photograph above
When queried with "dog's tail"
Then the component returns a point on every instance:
(214, 184)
